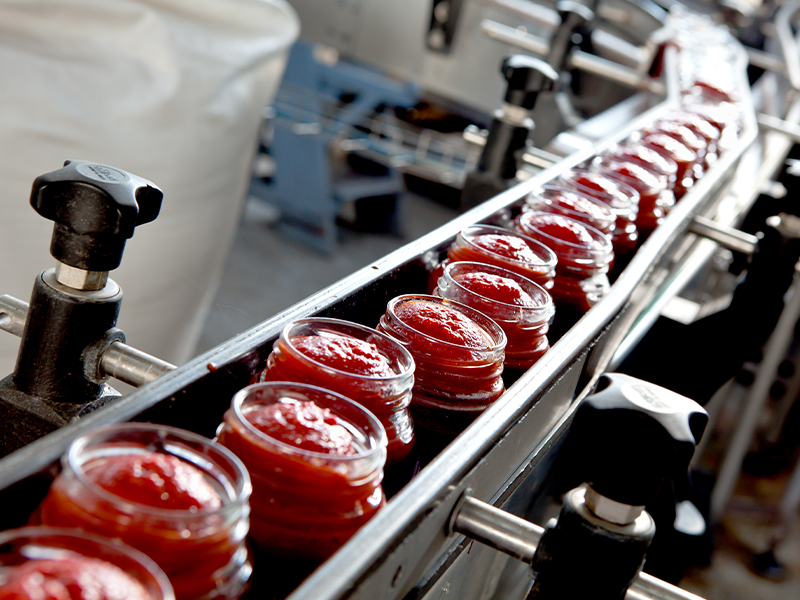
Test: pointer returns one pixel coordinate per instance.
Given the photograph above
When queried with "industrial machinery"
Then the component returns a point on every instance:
(506, 471)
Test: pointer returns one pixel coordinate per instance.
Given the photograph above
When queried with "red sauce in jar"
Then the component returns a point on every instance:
(458, 353)
(502, 248)
(316, 461)
(186, 510)
(688, 160)
(358, 362)
(577, 205)
(520, 307)
(585, 256)
(70, 578)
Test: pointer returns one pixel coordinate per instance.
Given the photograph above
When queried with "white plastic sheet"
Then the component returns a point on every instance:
(171, 90)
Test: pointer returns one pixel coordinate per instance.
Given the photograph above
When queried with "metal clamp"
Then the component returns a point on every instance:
(518, 538)
(119, 360)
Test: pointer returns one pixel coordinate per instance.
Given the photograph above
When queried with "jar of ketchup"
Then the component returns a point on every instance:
(502, 248)
(359, 363)
(520, 307)
(316, 460)
(585, 256)
(178, 497)
(458, 352)
(689, 162)
(43, 563)
(702, 128)
(655, 195)
(620, 197)
(572, 203)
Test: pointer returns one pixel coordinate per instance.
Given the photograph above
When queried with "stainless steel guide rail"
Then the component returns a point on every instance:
(504, 457)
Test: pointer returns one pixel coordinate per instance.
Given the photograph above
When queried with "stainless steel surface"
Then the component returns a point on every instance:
(607, 69)
(80, 279)
(770, 123)
(527, 11)
(611, 510)
(766, 61)
(13, 314)
(133, 366)
(727, 237)
(496, 528)
(515, 36)
(787, 42)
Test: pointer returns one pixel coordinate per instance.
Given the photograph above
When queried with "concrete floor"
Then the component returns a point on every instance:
(266, 273)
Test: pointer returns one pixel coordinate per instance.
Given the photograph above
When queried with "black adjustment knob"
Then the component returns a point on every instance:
(95, 208)
(526, 77)
(632, 434)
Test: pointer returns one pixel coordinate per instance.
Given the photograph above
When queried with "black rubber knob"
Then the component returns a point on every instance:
(526, 77)
(95, 208)
(632, 434)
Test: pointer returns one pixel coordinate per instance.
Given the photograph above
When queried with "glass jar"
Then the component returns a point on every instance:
(655, 196)
(48, 562)
(572, 203)
(501, 247)
(201, 550)
(306, 503)
(453, 382)
(620, 197)
(387, 396)
(701, 127)
(525, 324)
(581, 273)
(689, 162)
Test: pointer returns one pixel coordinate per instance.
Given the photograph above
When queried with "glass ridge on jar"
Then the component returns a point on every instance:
(453, 384)
(30, 558)
(202, 551)
(572, 203)
(619, 196)
(525, 326)
(306, 504)
(581, 274)
(387, 397)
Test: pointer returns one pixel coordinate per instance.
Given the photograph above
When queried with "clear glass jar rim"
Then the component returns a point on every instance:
(494, 229)
(544, 310)
(608, 214)
(240, 396)
(631, 195)
(606, 245)
(605, 160)
(147, 563)
(409, 360)
(468, 311)
(241, 486)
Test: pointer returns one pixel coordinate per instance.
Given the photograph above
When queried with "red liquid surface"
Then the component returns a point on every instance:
(301, 507)
(563, 229)
(344, 354)
(576, 206)
(70, 579)
(501, 289)
(189, 556)
(444, 324)
(508, 247)
(304, 425)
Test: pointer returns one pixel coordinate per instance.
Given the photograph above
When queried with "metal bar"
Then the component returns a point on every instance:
(727, 237)
(612, 71)
(133, 366)
(120, 361)
(742, 436)
(517, 537)
(532, 12)
(515, 37)
(13, 314)
(783, 29)
(765, 60)
(770, 123)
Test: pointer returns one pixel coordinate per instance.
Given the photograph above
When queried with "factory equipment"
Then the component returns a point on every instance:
(507, 458)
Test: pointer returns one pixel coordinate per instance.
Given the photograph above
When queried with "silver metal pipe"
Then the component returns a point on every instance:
(13, 313)
(727, 237)
(612, 71)
(770, 123)
(133, 366)
(788, 45)
(518, 538)
(532, 12)
(765, 60)
(515, 37)
(496, 528)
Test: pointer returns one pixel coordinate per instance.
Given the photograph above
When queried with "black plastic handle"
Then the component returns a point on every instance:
(95, 209)
(526, 77)
(632, 434)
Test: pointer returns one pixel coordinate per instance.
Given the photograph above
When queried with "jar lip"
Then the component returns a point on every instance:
(631, 196)
(494, 330)
(661, 181)
(381, 442)
(544, 310)
(473, 231)
(545, 191)
(604, 248)
(148, 565)
(408, 360)
(241, 486)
